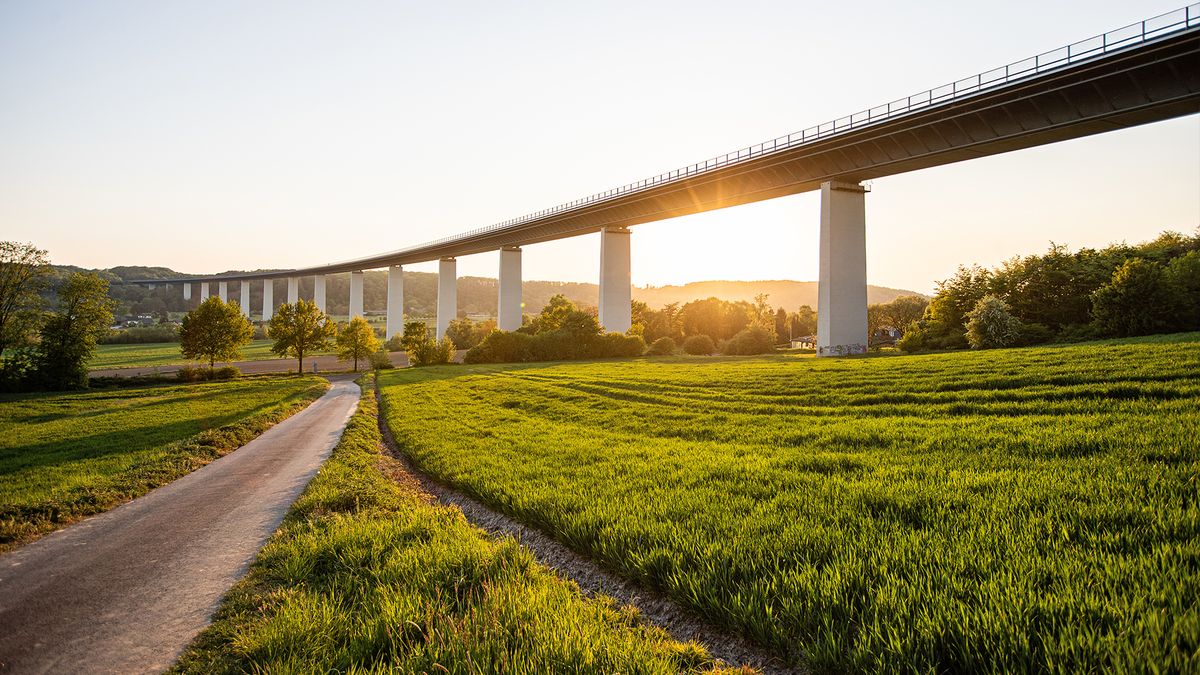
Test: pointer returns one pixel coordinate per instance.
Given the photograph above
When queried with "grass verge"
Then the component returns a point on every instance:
(165, 354)
(66, 456)
(1027, 510)
(367, 575)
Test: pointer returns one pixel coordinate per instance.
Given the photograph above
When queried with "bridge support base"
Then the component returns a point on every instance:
(616, 295)
(319, 291)
(268, 299)
(508, 313)
(356, 294)
(395, 300)
(293, 290)
(447, 297)
(244, 297)
(842, 289)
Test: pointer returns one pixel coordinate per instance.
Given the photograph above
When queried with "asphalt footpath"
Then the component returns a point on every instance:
(126, 591)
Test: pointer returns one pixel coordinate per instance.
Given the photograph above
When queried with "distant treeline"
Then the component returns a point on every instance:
(1118, 291)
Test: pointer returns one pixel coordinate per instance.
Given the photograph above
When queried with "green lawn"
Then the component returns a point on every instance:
(163, 354)
(1013, 510)
(366, 575)
(64, 456)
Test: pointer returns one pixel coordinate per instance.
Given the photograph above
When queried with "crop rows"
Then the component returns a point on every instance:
(1026, 509)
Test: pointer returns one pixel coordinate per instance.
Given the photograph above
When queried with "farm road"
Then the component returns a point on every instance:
(127, 590)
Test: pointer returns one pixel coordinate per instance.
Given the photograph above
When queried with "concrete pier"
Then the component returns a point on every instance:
(244, 297)
(187, 291)
(842, 286)
(356, 294)
(223, 290)
(203, 291)
(319, 291)
(447, 297)
(616, 295)
(268, 299)
(395, 300)
(509, 311)
(293, 290)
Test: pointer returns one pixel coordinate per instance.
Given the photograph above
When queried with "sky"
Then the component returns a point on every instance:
(209, 136)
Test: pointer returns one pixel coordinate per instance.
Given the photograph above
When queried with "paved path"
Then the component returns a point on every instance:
(325, 363)
(127, 590)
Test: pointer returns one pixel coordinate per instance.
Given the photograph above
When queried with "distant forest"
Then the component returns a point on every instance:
(476, 295)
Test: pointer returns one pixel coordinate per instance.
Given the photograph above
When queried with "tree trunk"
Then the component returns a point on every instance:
(300, 358)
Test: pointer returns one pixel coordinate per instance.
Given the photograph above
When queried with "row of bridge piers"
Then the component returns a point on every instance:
(842, 286)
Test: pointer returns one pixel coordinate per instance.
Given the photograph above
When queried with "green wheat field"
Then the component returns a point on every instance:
(1012, 510)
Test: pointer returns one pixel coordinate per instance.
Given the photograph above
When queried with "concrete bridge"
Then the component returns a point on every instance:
(1145, 72)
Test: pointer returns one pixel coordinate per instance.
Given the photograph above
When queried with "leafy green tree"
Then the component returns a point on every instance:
(415, 333)
(24, 272)
(214, 331)
(1138, 300)
(991, 325)
(1183, 275)
(466, 333)
(69, 335)
(782, 325)
(876, 321)
(904, 310)
(716, 318)
(551, 317)
(356, 341)
(300, 329)
(804, 321)
(430, 352)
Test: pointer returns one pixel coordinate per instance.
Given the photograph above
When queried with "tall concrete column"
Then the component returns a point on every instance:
(268, 299)
(356, 294)
(223, 290)
(244, 297)
(203, 291)
(293, 290)
(616, 294)
(187, 291)
(842, 288)
(508, 313)
(395, 300)
(447, 298)
(319, 291)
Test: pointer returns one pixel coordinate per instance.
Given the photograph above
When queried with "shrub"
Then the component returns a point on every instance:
(502, 347)
(991, 325)
(431, 352)
(467, 333)
(618, 344)
(145, 335)
(663, 346)
(380, 361)
(699, 345)
(202, 374)
(752, 340)
(395, 343)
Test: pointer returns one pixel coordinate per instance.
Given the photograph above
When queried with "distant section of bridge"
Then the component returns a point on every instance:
(1145, 72)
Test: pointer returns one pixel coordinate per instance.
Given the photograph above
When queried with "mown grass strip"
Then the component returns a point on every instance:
(367, 575)
(66, 456)
(1026, 510)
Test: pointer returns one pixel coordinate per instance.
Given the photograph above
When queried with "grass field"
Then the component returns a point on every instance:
(365, 575)
(1017, 510)
(64, 456)
(163, 354)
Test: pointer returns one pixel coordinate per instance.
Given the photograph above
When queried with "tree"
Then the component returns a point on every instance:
(214, 331)
(990, 324)
(466, 333)
(876, 321)
(1137, 301)
(69, 335)
(300, 329)
(1183, 274)
(804, 322)
(415, 333)
(24, 273)
(905, 310)
(552, 316)
(782, 325)
(357, 341)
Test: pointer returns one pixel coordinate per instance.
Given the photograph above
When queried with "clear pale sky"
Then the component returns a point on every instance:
(209, 136)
